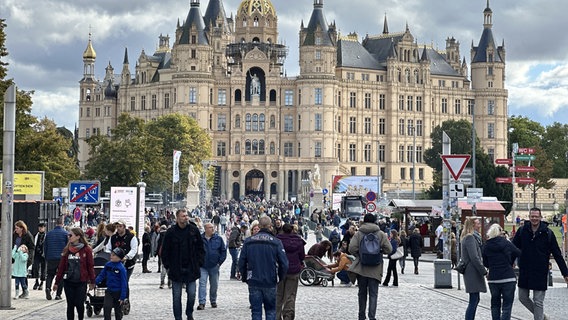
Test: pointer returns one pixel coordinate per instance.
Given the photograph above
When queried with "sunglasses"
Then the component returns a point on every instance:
(70, 235)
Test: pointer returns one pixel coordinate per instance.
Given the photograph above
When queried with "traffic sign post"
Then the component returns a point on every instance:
(503, 161)
(524, 157)
(456, 163)
(84, 192)
(371, 196)
(526, 150)
(523, 169)
(371, 207)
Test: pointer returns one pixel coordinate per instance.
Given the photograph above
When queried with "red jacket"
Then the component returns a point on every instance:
(86, 262)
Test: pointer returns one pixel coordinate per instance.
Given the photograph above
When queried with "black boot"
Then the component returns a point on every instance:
(40, 285)
(36, 285)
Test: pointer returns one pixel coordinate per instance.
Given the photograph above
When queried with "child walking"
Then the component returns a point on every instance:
(20, 270)
(116, 282)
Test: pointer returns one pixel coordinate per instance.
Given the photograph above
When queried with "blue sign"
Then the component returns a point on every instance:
(84, 192)
(371, 196)
(324, 191)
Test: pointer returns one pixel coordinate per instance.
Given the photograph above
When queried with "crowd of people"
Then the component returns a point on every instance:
(266, 246)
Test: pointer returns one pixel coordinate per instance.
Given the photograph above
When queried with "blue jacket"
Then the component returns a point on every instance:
(115, 275)
(498, 256)
(263, 261)
(55, 241)
(215, 251)
(535, 255)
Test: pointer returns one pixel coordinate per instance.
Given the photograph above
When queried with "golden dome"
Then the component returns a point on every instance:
(262, 7)
(89, 52)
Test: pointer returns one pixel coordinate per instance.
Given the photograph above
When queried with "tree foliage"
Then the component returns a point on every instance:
(136, 146)
(555, 145)
(39, 145)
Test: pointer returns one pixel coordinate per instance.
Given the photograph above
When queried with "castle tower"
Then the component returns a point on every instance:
(318, 52)
(219, 30)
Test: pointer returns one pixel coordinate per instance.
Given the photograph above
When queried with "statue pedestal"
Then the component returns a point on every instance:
(192, 198)
(317, 201)
(255, 100)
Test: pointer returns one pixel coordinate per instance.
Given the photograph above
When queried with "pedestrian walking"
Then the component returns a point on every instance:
(288, 287)
(318, 232)
(39, 265)
(114, 276)
(404, 243)
(163, 271)
(499, 254)
(77, 268)
(109, 230)
(183, 255)
(20, 270)
(215, 255)
(474, 275)
(368, 276)
(263, 263)
(234, 243)
(55, 241)
(146, 249)
(416, 243)
(391, 269)
(536, 242)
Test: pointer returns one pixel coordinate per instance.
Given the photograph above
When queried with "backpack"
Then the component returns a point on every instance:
(334, 237)
(370, 250)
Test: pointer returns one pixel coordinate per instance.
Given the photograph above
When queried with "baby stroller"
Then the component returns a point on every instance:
(95, 298)
(315, 272)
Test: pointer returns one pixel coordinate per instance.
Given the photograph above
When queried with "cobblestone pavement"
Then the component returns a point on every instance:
(414, 298)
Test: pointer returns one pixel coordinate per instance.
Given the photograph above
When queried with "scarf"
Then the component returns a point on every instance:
(74, 248)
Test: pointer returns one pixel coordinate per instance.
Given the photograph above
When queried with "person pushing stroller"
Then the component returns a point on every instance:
(114, 274)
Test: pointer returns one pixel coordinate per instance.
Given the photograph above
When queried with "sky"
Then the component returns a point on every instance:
(46, 40)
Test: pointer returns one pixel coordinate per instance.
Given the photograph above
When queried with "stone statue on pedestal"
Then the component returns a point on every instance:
(315, 178)
(192, 179)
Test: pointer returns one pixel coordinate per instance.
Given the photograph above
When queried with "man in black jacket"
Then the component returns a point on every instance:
(183, 255)
(536, 242)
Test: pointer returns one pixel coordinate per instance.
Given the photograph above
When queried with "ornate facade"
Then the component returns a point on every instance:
(357, 107)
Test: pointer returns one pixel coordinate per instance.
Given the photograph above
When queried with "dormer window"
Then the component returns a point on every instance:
(318, 41)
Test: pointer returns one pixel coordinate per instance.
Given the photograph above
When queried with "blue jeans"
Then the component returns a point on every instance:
(502, 296)
(367, 286)
(343, 276)
(472, 306)
(258, 297)
(536, 305)
(235, 257)
(177, 286)
(213, 275)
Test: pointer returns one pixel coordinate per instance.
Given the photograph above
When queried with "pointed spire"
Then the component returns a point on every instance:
(385, 25)
(178, 23)
(407, 28)
(125, 61)
(424, 55)
(302, 24)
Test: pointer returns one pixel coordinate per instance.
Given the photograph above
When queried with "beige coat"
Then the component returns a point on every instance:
(375, 272)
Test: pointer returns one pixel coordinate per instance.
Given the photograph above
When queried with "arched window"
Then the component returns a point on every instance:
(255, 23)
(261, 147)
(238, 95)
(272, 95)
(248, 147)
(407, 75)
(255, 122)
(244, 22)
(237, 147)
(254, 147)
(416, 77)
(237, 121)
(247, 122)
(261, 122)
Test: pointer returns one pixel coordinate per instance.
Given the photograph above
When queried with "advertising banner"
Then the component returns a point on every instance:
(28, 184)
(354, 185)
(123, 205)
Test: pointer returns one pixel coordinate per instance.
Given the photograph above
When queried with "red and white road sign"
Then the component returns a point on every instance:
(523, 169)
(525, 180)
(371, 207)
(504, 179)
(456, 163)
(520, 180)
(526, 150)
(503, 161)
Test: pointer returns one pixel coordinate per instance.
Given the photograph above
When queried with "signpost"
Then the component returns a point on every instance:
(524, 157)
(520, 180)
(84, 192)
(523, 169)
(455, 163)
(503, 161)
(526, 150)
(371, 207)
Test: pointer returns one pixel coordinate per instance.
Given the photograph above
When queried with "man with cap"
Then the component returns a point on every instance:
(116, 283)
(39, 265)
(125, 240)
(55, 241)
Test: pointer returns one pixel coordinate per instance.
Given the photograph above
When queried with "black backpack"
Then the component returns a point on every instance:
(370, 252)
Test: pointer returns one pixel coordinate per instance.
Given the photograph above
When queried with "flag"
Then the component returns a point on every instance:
(177, 155)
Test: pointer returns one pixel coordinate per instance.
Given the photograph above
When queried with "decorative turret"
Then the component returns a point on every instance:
(318, 32)
(89, 57)
(125, 74)
(318, 41)
(385, 25)
(193, 29)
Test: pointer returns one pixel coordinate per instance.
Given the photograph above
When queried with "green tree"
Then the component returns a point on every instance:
(179, 132)
(555, 145)
(525, 132)
(39, 146)
(119, 160)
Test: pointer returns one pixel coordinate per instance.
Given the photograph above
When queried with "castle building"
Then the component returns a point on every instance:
(357, 107)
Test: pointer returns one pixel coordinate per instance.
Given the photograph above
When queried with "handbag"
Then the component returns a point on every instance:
(460, 267)
(398, 254)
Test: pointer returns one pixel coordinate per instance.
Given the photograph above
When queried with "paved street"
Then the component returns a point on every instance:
(415, 298)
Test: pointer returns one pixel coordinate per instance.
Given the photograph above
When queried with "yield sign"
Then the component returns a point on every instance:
(456, 163)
